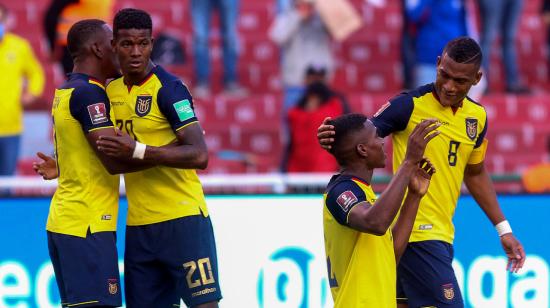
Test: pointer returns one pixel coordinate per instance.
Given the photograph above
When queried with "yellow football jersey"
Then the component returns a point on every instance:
(87, 195)
(151, 113)
(361, 266)
(461, 142)
(18, 64)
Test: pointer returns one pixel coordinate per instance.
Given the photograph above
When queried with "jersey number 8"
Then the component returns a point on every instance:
(453, 150)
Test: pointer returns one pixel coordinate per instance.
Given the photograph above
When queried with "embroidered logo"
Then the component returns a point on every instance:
(448, 291)
(143, 104)
(113, 286)
(471, 128)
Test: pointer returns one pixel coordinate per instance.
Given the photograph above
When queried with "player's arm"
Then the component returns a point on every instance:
(393, 116)
(479, 184)
(189, 152)
(90, 107)
(378, 218)
(418, 186)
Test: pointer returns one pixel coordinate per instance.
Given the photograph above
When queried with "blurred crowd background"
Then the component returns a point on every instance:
(265, 73)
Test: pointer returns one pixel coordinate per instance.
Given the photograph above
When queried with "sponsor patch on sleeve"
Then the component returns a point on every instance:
(184, 110)
(98, 113)
(346, 200)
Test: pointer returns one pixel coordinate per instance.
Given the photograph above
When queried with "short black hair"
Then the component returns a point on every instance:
(464, 50)
(130, 18)
(81, 33)
(345, 126)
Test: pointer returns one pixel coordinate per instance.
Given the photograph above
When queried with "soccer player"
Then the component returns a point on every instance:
(170, 249)
(425, 274)
(83, 212)
(361, 249)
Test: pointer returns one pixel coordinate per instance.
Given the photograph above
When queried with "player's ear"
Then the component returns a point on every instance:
(479, 74)
(96, 50)
(361, 149)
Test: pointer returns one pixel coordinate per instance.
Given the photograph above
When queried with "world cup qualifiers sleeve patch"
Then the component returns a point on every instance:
(346, 200)
(98, 113)
(184, 110)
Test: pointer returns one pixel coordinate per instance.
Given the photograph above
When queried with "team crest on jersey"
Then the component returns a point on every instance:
(448, 291)
(113, 286)
(143, 104)
(346, 199)
(471, 128)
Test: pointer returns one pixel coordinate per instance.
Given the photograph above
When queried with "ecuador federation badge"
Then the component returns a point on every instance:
(471, 128)
(143, 104)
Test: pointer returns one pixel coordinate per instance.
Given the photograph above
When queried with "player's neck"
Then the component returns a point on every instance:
(136, 79)
(362, 172)
(90, 70)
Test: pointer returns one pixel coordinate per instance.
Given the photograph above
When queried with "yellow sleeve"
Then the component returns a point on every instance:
(478, 154)
(33, 71)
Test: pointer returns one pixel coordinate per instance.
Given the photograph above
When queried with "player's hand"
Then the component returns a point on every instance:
(121, 145)
(47, 168)
(514, 252)
(420, 181)
(325, 134)
(419, 138)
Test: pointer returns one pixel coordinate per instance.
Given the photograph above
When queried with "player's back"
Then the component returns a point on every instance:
(151, 113)
(87, 195)
(361, 266)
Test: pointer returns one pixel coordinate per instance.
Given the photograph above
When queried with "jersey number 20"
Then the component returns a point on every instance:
(205, 270)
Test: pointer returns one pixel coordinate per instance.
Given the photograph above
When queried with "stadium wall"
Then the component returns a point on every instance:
(271, 253)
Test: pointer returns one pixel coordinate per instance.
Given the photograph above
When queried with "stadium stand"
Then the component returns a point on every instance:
(368, 71)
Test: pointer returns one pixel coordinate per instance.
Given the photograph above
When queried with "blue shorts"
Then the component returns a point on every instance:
(171, 260)
(425, 276)
(86, 269)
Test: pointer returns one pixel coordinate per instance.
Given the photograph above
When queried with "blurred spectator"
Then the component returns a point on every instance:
(546, 20)
(61, 15)
(408, 41)
(536, 179)
(201, 11)
(437, 23)
(302, 152)
(304, 41)
(21, 82)
(319, 74)
(502, 17)
(168, 49)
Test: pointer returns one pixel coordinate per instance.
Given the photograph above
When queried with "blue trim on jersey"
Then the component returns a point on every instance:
(342, 195)
(173, 91)
(481, 136)
(86, 94)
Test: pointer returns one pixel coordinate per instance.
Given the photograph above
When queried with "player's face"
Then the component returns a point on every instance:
(376, 157)
(110, 62)
(133, 48)
(454, 80)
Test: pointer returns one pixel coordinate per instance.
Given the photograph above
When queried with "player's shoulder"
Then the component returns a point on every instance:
(341, 183)
(115, 84)
(475, 105)
(165, 77)
(409, 95)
